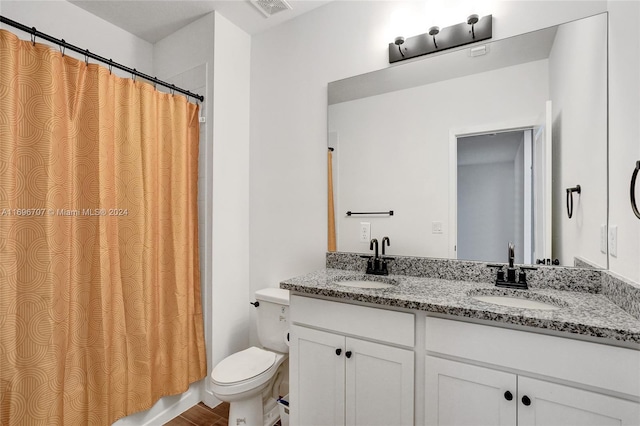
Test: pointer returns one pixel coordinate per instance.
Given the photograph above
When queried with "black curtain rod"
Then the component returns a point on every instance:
(37, 34)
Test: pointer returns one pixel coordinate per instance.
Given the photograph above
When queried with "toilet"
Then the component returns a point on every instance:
(250, 379)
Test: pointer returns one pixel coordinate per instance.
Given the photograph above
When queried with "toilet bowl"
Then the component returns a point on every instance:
(249, 379)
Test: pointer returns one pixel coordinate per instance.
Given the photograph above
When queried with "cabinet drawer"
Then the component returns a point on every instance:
(369, 323)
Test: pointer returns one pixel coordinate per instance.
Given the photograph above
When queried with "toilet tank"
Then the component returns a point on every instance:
(273, 319)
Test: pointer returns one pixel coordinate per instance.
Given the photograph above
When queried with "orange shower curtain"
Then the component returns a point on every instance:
(331, 241)
(100, 311)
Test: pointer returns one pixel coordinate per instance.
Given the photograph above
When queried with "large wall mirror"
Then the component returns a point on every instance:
(477, 147)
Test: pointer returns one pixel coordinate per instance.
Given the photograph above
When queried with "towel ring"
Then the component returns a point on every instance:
(632, 194)
(570, 192)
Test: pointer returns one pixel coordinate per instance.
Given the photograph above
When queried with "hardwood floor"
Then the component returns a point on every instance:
(201, 415)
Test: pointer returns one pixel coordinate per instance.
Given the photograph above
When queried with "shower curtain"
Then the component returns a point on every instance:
(100, 311)
(331, 218)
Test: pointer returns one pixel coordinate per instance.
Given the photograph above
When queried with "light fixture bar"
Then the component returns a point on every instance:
(447, 38)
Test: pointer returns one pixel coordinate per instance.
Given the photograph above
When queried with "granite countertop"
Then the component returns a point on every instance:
(585, 314)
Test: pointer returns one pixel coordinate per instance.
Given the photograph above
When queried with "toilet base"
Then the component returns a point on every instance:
(246, 412)
(252, 412)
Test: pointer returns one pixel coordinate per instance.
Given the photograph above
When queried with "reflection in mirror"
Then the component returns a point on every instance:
(474, 152)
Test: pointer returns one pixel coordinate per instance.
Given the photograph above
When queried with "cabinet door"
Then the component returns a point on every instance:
(317, 377)
(551, 404)
(463, 394)
(379, 386)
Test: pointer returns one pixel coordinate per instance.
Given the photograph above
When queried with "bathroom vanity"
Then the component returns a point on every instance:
(428, 350)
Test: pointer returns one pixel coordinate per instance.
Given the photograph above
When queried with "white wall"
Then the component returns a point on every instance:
(230, 263)
(63, 20)
(290, 68)
(624, 132)
(398, 156)
(578, 64)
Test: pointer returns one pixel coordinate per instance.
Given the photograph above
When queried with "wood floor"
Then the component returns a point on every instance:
(201, 415)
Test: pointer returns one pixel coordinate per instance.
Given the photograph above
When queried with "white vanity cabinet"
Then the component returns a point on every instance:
(338, 379)
(464, 394)
(476, 374)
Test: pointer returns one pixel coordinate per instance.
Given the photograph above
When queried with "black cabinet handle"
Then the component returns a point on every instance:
(508, 396)
(338, 351)
(347, 354)
(256, 303)
(526, 401)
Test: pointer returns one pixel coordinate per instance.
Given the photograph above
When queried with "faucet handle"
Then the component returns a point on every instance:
(522, 276)
(499, 274)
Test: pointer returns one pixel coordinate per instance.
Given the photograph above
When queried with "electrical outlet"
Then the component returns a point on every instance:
(613, 241)
(436, 227)
(365, 232)
(603, 238)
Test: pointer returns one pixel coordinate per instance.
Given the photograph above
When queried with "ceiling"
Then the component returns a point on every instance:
(153, 20)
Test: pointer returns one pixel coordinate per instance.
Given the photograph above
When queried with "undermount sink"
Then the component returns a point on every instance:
(516, 302)
(366, 282)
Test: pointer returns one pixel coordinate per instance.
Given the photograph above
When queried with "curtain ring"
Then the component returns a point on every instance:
(33, 35)
(173, 89)
(133, 75)
(110, 65)
(63, 47)
(86, 57)
(155, 83)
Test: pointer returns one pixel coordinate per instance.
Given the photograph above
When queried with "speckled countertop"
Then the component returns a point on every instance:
(581, 313)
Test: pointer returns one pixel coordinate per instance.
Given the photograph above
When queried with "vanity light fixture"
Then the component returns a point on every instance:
(472, 30)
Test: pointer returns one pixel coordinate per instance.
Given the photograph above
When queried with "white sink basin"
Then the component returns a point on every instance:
(516, 302)
(364, 284)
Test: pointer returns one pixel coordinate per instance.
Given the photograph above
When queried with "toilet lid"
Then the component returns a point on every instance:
(243, 365)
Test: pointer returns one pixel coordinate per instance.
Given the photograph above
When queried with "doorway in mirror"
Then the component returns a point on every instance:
(495, 196)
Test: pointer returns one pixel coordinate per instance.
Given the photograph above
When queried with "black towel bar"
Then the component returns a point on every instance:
(390, 213)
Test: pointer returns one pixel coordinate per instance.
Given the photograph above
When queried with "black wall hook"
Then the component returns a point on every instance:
(570, 192)
(632, 189)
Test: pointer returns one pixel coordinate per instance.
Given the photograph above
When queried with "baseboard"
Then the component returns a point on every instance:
(166, 408)
(209, 398)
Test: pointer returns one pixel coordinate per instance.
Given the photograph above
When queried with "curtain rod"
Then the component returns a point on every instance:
(37, 34)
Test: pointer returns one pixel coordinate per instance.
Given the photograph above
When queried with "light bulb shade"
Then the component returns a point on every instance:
(473, 19)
